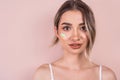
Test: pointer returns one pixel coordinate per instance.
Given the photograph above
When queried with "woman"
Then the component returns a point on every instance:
(75, 30)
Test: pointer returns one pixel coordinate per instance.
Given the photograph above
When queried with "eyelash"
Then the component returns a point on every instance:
(66, 28)
(83, 28)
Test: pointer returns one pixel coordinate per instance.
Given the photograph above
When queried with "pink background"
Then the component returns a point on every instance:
(26, 31)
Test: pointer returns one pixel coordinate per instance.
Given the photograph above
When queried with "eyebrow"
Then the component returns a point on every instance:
(66, 23)
(82, 24)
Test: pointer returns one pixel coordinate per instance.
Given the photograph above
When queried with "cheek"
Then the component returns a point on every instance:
(84, 36)
(86, 39)
(65, 36)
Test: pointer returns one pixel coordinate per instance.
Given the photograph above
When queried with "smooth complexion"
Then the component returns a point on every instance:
(73, 37)
(71, 30)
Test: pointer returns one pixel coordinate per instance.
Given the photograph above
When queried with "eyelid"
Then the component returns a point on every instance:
(84, 28)
(68, 27)
(82, 25)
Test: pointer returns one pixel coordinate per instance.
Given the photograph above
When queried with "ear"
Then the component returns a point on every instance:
(56, 31)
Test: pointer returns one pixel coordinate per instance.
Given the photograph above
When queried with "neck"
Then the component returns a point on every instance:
(75, 61)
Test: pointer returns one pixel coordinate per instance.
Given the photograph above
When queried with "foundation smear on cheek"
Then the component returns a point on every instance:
(64, 36)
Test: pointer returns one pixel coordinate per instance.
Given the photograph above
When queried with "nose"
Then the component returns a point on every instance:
(75, 36)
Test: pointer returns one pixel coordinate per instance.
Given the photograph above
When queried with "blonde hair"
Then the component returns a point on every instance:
(88, 18)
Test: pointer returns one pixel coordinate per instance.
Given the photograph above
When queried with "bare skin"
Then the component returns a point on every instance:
(73, 65)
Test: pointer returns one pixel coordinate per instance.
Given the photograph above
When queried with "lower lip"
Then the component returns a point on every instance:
(75, 46)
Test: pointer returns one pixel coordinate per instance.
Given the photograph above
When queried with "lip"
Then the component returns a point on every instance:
(75, 45)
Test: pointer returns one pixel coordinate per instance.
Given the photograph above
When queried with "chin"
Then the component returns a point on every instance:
(75, 51)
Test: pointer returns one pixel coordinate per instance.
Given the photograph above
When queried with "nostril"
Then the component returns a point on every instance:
(75, 38)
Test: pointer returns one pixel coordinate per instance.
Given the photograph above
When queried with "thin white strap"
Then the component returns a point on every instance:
(100, 73)
(51, 72)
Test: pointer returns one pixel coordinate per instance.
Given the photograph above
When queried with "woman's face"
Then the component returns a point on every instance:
(72, 32)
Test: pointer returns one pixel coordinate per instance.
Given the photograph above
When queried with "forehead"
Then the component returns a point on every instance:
(72, 16)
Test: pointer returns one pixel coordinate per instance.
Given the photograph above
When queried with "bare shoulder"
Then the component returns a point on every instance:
(42, 72)
(108, 74)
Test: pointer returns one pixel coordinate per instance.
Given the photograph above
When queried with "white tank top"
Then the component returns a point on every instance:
(52, 76)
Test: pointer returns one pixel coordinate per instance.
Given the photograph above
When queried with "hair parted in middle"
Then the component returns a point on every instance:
(88, 18)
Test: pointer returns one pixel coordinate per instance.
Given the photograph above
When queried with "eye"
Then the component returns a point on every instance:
(83, 28)
(66, 28)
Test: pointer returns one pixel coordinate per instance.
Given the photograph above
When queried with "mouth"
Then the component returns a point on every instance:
(75, 45)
